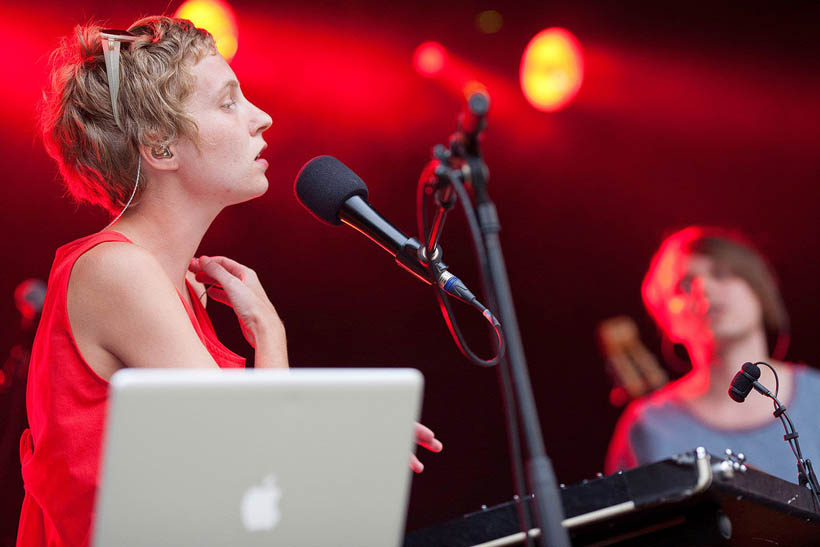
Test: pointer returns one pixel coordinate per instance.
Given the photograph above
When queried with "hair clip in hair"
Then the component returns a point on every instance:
(111, 40)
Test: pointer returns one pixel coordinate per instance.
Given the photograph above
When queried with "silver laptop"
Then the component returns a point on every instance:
(306, 457)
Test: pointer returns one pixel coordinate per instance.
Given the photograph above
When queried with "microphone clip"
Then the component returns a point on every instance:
(412, 256)
(446, 281)
(431, 261)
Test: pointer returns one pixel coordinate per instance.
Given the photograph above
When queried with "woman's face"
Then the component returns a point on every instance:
(226, 165)
(711, 302)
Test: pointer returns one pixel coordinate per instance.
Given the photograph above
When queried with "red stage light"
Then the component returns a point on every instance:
(552, 69)
(216, 17)
(429, 59)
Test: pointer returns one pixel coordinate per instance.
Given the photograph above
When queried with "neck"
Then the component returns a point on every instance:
(169, 225)
(715, 362)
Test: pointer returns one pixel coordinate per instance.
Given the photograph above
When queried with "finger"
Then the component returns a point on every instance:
(434, 446)
(415, 464)
(218, 272)
(219, 295)
(202, 277)
(426, 438)
(195, 265)
(423, 432)
(232, 266)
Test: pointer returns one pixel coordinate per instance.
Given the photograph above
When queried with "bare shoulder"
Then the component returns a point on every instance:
(112, 282)
(117, 275)
(122, 304)
(109, 264)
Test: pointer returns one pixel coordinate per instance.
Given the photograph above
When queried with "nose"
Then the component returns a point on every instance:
(703, 285)
(703, 292)
(260, 121)
(698, 285)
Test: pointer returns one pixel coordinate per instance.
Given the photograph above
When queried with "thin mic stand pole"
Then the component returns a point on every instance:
(445, 176)
(549, 509)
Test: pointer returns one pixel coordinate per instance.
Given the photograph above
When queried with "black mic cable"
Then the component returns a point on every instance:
(442, 180)
(742, 384)
(434, 170)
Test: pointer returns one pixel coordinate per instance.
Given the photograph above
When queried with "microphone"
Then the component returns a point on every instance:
(744, 381)
(334, 194)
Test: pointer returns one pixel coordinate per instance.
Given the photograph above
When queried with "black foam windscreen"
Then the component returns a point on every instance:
(323, 185)
(743, 382)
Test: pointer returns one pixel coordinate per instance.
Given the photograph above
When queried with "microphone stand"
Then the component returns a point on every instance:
(805, 470)
(550, 511)
(464, 146)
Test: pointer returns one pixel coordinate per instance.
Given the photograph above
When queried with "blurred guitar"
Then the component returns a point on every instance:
(634, 369)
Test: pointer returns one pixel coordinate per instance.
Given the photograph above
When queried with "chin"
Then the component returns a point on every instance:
(253, 190)
(730, 333)
(261, 188)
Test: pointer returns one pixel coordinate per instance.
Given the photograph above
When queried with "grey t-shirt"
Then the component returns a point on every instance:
(657, 428)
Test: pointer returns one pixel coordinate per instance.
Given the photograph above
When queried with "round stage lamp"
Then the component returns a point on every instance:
(552, 69)
(429, 59)
(216, 17)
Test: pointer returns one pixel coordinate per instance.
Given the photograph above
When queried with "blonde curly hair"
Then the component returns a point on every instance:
(97, 159)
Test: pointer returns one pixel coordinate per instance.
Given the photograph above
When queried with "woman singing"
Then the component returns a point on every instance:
(152, 125)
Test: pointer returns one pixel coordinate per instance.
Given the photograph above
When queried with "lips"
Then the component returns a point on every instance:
(260, 152)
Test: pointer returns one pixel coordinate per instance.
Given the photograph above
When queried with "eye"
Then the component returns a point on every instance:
(230, 105)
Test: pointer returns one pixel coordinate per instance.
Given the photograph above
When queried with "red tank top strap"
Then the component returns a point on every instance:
(80, 246)
(224, 357)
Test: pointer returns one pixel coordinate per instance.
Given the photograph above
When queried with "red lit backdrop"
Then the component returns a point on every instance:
(647, 120)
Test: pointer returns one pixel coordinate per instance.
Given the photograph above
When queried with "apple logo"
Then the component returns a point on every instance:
(259, 508)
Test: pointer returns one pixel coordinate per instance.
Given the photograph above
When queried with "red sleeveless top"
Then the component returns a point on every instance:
(66, 401)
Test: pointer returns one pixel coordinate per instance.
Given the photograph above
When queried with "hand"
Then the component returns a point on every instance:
(426, 438)
(237, 286)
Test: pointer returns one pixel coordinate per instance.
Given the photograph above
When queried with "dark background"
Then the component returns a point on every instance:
(689, 113)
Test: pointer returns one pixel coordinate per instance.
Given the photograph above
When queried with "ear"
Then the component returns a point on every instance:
(159, 162)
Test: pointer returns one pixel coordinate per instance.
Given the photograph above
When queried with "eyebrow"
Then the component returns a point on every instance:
(226, 85)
